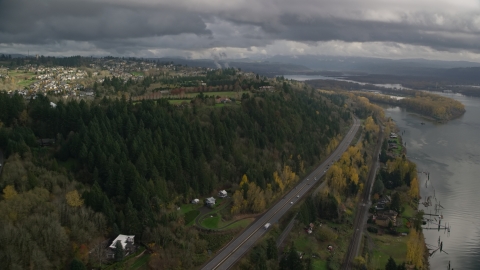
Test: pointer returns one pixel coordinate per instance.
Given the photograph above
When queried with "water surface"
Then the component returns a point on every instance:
(451, 154)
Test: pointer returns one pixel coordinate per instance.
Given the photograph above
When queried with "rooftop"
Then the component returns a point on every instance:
(123, 239)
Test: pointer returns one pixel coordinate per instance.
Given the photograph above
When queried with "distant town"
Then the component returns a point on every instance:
(29, 78)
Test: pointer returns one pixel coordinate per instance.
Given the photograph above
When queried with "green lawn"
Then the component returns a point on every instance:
(403, 228)
(138, 73)
(184, 208)
(302, 242)
(409, 211)
(190, 217)
(140, 263)
(240, 224)
(130, 262)
(386, 246)
(211, 222)
(319, 265)
(25, 82)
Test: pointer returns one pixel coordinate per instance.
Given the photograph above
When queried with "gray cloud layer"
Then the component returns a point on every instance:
(149, 26)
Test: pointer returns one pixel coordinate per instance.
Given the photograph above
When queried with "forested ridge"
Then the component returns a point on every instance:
(120, 167)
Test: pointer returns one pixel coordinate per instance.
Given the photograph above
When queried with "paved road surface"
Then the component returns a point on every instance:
(362, 209)
(227, 257)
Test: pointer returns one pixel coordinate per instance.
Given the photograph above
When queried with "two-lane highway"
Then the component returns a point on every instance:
(227, 257)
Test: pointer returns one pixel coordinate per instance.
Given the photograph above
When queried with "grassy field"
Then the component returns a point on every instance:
(319, 265)
(386, 246)
(240, 224)
(397, 151)
(211, 222)
(311, 244)
(184, 208)
(131, 262)
(140, 263)
(409, 211)
(190, 217)
(178, 101)
(138, 73)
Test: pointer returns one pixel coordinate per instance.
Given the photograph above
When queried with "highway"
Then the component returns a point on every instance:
(362, 208)
(234, 250)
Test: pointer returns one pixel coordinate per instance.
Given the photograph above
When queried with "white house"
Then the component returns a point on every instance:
(195, 201)
(210, 201)
(124, 239)
(127, 242)
(222, 194)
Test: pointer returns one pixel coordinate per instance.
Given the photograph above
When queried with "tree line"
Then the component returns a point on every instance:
(427, 104)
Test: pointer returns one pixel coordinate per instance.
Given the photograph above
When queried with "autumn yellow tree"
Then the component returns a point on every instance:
(9, 192)
(415, 249)
(237, 201)
(414, 189)
(335, 179)
(370, 125)
(284, 178)
(74, 199)
(278, 181)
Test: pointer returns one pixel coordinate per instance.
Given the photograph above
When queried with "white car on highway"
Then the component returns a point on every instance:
(291, 202)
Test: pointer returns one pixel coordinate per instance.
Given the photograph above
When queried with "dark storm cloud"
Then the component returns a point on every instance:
(456, 35)
(127, 26)
(24, 21)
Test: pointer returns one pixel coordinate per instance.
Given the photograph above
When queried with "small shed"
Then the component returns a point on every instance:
(195, 201)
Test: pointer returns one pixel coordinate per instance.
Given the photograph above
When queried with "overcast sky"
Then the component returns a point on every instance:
(432, 29)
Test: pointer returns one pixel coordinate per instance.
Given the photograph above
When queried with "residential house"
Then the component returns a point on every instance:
(382, 221)
(384, 218)
(392, 215)
(222, 194)
(266, 88)
(127, 242)
(223, 100)
(210, 201)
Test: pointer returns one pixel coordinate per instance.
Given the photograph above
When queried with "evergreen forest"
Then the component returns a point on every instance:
(115, 166)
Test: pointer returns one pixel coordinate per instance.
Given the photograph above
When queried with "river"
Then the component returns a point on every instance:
(451, 154)
(320, 77)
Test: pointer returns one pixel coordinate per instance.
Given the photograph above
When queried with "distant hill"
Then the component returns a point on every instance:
(265, 68)
(372, 65)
